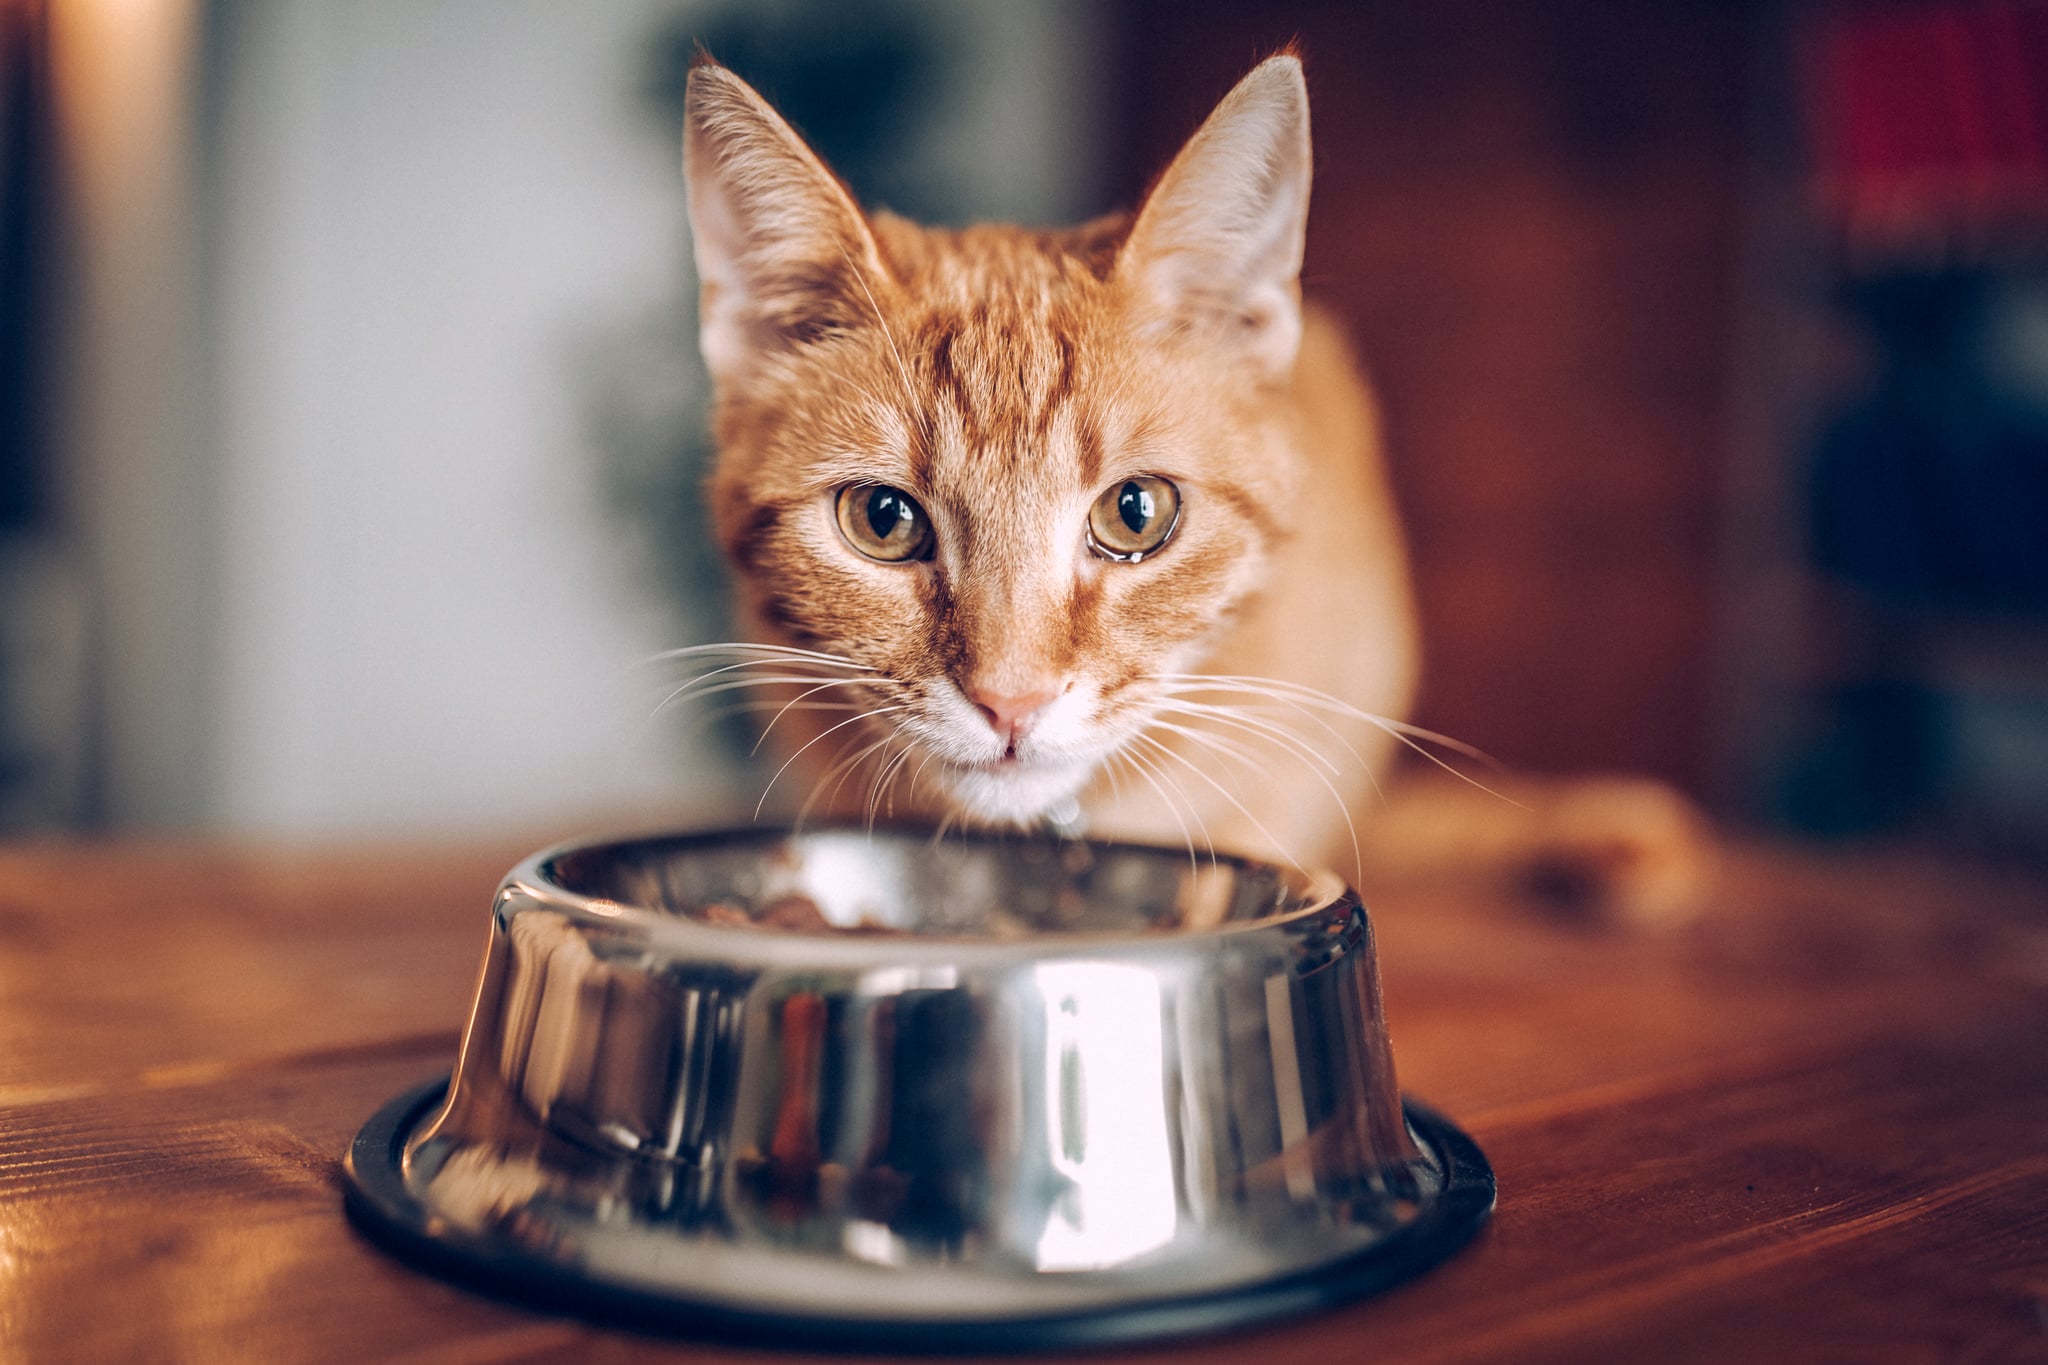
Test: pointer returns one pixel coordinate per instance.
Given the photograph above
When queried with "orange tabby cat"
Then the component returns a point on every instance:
(1085, 527)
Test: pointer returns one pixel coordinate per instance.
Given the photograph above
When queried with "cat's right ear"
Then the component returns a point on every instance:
(783, 254)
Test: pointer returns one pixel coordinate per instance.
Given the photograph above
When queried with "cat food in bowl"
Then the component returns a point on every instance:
(891, 1090)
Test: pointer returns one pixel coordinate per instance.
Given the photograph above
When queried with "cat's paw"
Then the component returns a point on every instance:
(1606, 850)
(1618, 850)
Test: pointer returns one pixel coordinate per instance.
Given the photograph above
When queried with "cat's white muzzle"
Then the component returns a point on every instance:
(993, 782)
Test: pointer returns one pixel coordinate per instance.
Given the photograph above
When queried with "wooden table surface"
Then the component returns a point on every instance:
(1813, 1125)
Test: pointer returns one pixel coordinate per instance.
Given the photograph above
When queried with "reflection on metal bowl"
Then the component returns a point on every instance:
(877, 1088)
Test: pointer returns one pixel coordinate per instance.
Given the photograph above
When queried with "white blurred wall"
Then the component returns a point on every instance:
(369, 586)
(423, 622)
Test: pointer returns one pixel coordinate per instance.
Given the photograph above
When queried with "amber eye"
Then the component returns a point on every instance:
(884, 523)
(1133, 518)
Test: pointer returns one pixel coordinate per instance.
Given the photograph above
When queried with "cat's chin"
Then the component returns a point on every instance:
(1013, 793)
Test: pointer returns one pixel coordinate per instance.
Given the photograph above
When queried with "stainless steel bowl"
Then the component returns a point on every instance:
(880, 1088)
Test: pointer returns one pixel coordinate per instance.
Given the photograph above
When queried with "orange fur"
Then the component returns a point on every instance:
(1005, 379)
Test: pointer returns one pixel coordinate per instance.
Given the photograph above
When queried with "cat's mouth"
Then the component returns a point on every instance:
(1009, 766)
(1012, 787)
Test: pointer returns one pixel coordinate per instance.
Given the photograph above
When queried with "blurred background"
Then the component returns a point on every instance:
(350, 416)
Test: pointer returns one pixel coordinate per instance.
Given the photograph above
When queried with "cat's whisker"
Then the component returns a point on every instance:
(822, 735)
(845, 768)
(1124, 756)
(757, 706)
(918, 776)
(696, 689)
(1224, 792)
(801, 697)
(1262, 717)
(1250, 760)
(883, 767)
(1268, 709)
(1370, 767)
(841, 767)
(692, 691)
(753, 649)
(1158, 779)
(754, 705)
(1392, 728)
(1116, 786)
(1309, 696)
(1292, 705)
(1289, 742)
(1410, 736)
(755, 673)
(696, 686)
(757, 665)
(1229, 748)
(1185, 812)
(885, 780)
(1258, 726)
(879, 780)
(812, 667)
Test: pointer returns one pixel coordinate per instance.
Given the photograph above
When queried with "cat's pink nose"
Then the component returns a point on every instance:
(1011, 715)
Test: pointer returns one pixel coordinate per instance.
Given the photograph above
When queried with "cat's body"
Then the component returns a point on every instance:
(1036, 505)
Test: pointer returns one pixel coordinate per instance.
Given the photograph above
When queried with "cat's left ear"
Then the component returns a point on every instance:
(1217, 246)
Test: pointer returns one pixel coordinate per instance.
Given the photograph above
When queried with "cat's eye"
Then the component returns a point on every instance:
(884, 523)
(1132, 519)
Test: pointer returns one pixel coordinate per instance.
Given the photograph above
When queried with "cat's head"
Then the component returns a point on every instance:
(1016, 476)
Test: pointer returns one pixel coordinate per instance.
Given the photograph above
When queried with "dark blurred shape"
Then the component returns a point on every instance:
(24, 246)
(1929, 128)
(42, 613)
(1868, 762)
(853, 79)
(1931, 488)
(1922, 686)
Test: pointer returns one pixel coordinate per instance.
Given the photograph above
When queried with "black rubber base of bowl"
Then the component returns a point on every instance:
(384, 1209)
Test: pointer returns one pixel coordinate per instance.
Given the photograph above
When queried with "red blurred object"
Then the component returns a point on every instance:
(1930, 123)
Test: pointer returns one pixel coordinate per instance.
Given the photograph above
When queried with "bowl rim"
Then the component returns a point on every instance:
(1323, 894)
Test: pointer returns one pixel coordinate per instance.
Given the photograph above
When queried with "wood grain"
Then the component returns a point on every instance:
(1812, 1126)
